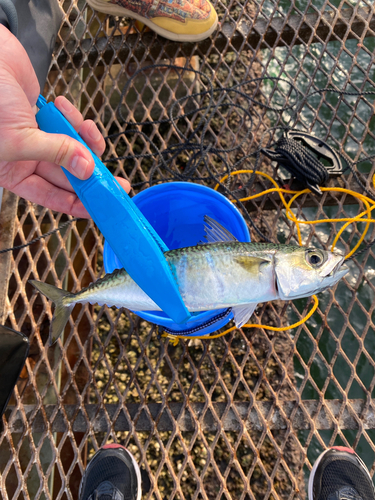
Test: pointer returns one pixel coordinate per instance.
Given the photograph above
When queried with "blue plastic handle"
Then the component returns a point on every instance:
(132, 238)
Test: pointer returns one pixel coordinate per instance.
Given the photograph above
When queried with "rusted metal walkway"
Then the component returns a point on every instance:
(244, 416)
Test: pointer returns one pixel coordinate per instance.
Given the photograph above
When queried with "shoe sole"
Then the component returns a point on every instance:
(136, 467)
(339, 448)
(116, 10)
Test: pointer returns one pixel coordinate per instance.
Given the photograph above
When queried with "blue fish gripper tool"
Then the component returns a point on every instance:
(134, 241)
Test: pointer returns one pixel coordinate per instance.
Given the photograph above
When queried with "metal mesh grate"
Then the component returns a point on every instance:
(241, 417)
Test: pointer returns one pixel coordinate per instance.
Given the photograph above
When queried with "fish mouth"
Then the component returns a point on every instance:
(338, 266)
(337, 273)
(337, 269)
(340, 273)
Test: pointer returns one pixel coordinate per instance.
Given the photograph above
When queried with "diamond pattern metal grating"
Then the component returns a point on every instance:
(242, 417)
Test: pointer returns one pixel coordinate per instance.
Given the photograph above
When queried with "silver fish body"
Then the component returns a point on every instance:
(218, 275)
(208, 276)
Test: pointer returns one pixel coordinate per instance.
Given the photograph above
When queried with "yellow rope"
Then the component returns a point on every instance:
(368, 202)
(174, 339)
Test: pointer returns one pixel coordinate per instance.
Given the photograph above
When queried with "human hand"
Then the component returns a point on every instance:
(29, 158)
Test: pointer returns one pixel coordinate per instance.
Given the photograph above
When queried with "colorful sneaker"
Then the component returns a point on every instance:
(112, 474)
(339, 474)
(179, 20)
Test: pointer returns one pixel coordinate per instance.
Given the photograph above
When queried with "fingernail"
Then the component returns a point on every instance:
(79, 166)
(94, 133)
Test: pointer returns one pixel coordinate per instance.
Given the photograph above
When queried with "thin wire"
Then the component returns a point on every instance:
(198, 143)
(213, 100)
(35, 240)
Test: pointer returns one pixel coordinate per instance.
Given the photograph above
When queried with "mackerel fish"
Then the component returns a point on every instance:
(219, 273)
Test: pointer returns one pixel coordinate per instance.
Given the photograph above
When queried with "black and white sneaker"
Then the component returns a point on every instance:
(339, 474)
(112, 474)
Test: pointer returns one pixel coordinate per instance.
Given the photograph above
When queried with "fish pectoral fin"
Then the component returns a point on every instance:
(250, 263)
(243, 313)
(215, 232)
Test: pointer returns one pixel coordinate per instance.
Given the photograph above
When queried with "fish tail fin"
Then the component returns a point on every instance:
(62, 311)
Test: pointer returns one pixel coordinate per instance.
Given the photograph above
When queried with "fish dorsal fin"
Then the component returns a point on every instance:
(251, 263)
(243, 313)
(215, 232)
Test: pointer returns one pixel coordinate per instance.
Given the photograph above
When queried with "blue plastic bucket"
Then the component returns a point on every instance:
(176, 212)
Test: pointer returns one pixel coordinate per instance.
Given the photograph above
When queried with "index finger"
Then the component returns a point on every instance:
(70, 112)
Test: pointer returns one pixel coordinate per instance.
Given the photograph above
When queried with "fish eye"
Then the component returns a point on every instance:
(314, 258)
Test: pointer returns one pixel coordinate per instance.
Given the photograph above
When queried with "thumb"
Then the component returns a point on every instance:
(59, 149)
